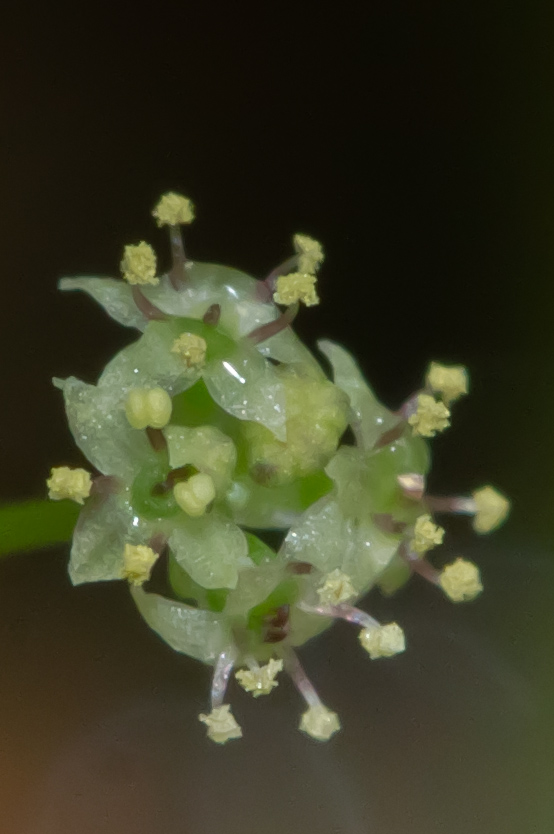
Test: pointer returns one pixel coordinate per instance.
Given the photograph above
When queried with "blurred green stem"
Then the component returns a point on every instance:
(30, 525)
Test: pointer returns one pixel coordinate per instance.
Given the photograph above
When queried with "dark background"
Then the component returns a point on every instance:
(416, 141)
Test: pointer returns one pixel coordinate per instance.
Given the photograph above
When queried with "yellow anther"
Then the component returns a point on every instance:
(148, 407)
(221, 724)
(191, 349)
(337, 587)
(426, 535)
(460, 580)
(260, 681)
(383, 641)
(173, 209)
(319, 722)
(430, 417)
(138, 561)
(310, 253)
(139, 264)
(65, 482)
(449, 381)
(194, 495)
(296, 286)
(491, 509)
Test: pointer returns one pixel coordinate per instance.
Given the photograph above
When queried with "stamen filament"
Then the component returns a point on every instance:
(105, 485)
(409, 406)
(299, 677)
(287, 266)
(265, 331)
(222, 673)
(457, 504)
(424, 568)
(177, 273)
(252, 663)
(148, 310)
(157, 439)
(342, 612)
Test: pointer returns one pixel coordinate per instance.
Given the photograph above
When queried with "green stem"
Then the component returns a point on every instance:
(30, 525)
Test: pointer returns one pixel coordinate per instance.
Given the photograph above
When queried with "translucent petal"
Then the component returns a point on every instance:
(211, 549)
(260, 507)
(287, 347)
(254, 586)
(149, 363)
(348, 470)
(235, 292)
(247, 387)
(114, 295)
(368, 549)
(192, 631)
(98, 423)
(320, 537)
(105, 525)
(205, 447)
(368, 553)
(328, 538)
(372, 418)
(304, 626)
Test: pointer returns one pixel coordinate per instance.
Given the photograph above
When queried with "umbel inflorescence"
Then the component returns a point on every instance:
(218, 424)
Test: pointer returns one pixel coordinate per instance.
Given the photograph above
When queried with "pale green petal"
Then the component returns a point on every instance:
(97, 420)
(241, 309)
(192, 631)
(205, 447)
(347, 468)
(260, 507)
(254, 586)
(304, 626)
(372, 418)
(211, 549)
(368, 552)
(99, 539)
(114, 295)
(247, 387)
(320, 537)
(207, 284)
(149, 363)
(287, 347)
(329, 538)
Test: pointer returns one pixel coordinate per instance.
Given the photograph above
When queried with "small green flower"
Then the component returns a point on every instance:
(216, 426)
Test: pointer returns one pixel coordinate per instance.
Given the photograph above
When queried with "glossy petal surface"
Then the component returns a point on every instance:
(192, 631)
(211, 549)
(97, 420)
(373, 419)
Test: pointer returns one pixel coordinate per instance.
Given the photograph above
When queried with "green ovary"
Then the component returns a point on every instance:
(316, 418)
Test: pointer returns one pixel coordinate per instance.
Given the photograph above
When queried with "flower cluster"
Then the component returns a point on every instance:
(217, 425)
